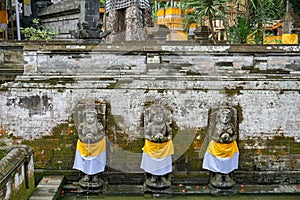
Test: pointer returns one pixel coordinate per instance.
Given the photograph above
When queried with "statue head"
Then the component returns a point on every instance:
(90, 113)
(157, 114)
(224, 115)
(90, 116)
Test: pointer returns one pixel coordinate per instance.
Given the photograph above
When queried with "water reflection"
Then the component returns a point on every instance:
(187, 197)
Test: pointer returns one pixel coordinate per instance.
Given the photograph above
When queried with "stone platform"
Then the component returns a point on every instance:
(182, 189)
(49, 188)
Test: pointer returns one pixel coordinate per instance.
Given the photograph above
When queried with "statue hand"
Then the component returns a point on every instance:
(89, 136)
(225, 137)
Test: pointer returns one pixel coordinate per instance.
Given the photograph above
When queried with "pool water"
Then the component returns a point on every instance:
(186, 197)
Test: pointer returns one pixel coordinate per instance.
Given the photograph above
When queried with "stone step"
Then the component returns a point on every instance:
(49, 188)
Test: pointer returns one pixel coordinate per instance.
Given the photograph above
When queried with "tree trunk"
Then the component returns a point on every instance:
(211, 26)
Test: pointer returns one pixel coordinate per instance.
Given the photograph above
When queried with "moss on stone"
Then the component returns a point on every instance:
(2, 153)
(53, 81)
(269, 71)
(24, 193)
(3, 89)
(119, 137)
(192, 73)
(240, 113)
(231, 92)
(55, 151)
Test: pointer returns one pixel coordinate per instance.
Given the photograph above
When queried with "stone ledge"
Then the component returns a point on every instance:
(48, 188)
(61, 8)
(190, 189)
(11, 161)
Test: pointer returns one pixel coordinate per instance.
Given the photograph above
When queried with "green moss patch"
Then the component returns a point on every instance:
(55, 151)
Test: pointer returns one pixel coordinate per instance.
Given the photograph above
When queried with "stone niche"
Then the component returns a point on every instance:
(261, 82)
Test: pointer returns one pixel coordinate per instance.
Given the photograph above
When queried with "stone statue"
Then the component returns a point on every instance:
(90, 155)
(158, 148)
(221, 156)
(127, 19)
(84, 31)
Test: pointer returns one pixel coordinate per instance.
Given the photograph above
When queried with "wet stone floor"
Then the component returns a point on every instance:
(190, 192)
(187, 197)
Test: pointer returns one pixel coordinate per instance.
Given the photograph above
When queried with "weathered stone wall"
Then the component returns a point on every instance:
(64, 16)
(262, 82)
(11, 62)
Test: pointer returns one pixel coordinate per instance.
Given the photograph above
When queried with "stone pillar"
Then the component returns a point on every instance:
(134, 24)
(127, 20)
(89, 12)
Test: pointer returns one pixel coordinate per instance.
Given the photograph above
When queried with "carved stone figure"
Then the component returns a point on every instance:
(221, 156)
(127, 19)
(158, 148)
(84, 31)
(90, 155)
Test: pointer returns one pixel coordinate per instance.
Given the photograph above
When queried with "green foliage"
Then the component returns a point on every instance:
(192, 17)
(252, 15)
(262, 12)
(296, 6)
(205, 10)
(36, 32)
(239, 32)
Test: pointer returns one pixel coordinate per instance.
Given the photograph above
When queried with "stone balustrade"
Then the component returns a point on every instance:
(17, 173)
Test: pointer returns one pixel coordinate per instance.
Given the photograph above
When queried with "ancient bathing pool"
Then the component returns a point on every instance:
(185, 197)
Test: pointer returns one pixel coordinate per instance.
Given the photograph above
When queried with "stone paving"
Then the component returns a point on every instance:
(49, 188)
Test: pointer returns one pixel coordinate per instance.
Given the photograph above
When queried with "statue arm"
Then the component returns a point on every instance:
(80, 133)
(232, 134)
(100, 134)
(147, 131)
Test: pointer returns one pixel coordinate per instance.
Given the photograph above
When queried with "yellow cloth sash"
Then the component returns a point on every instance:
(222, 150)
(91, 149)
(27, 2)
(3, 17)
(158, 150)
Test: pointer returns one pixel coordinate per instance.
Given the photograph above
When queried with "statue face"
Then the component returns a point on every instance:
(225, 116)
(158, 116)
(89, 117)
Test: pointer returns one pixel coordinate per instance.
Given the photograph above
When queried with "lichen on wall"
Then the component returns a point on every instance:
(190, 80)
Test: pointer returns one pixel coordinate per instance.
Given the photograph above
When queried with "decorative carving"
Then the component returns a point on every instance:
(221, 156)
(158, 148)
(84, 31)
(90, 155)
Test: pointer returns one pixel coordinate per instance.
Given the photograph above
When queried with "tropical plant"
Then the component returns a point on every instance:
(262, 12)
(296, 6)
(37, 32)
(240, 31)
(192, 16)
(205, 10)
(253, 16)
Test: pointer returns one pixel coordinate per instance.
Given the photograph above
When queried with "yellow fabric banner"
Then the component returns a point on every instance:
(222, 150)
(26, 2)
(91, 149)
(273, 39)
(158, 150)
(289, 38)
(3, 17)
(161, 13)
